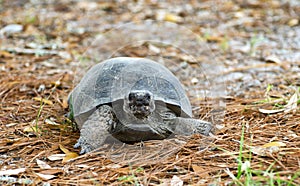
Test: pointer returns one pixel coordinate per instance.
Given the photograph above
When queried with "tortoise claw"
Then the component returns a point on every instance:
(85, 148)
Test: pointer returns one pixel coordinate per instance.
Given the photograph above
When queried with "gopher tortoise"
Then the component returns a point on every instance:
(132, 100)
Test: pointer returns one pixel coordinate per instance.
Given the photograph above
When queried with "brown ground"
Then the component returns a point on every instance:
(243, 35)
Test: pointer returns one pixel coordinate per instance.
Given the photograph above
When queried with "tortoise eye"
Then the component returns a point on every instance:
(131, 96)
(147, 96)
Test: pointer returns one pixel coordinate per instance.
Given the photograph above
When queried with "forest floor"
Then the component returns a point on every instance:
(247, 65)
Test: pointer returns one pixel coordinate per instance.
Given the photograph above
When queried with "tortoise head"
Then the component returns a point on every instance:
(140, 103)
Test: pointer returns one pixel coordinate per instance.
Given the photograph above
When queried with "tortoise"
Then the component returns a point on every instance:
(132, 100)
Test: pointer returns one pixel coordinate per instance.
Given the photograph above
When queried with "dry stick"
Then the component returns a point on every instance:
(279, 162)
(244, 68)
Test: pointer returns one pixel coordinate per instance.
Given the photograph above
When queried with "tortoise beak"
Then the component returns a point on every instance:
(140, 103)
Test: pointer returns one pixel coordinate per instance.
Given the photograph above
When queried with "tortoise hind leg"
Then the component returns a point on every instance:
(96, 129)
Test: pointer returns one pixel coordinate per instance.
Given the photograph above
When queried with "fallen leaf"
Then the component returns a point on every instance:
(292, 104)
(45, 101)
(42, 164)
(65, 102)
(50, 122)
(62, 148)
(246, 165)
(31, 129)
(266, 111)
(200, 171)
(268, 148)
(274, 144)
(56, 157)
(51, 171)
(154, 49)
(215, 38)
(176, 181)
(273, 59)
(293, 22)
(12, 171)
(70, 156)
(113, 166)
(12, 28)
(166, 16)
(5, 54)
(173, 18)
(45, 176)
(123, 170)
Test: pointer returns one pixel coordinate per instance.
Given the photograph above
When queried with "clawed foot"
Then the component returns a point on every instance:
(85, 147)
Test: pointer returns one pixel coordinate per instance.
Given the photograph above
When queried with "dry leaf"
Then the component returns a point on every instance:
(124, 170)
(268, 148)
(69, 156)
(62, 148)
(42, 164)
(265, 111)
(273, 59)
(292, 104)
(166, 16)
(12, 172)
(293, 22)
(215, 38)
(200, 171)
(274, 144)
(113, 166)
(31, 129)
(65, 102)
(51, 171)
(45, 176)
(45, 101)
(173, 18)
(50, 122)
(176, 181)
(5, 54)
(55, 157)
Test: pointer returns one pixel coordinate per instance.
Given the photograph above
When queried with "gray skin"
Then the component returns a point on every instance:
(145, 112)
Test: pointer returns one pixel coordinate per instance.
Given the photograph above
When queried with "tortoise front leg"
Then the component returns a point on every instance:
(189, 126)
(96, 129)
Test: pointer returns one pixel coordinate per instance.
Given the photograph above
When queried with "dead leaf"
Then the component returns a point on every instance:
(215, 39)
(273, 59)
(69, 156)
(12, 172)
(50, 122)
(32, 129)
(55, 157)
(65, 103)
(274, 144)
(62, 148)
(176, 181)
(173, 18)
(293, 22)
(45, 101)
(45, 176)
(200, 171)
(166, 16)
(266, 111)
(292, 104)
(268, 148)
(42, 164)
(51, 171)
(12, 28)
(123, 170)
(5, 54)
